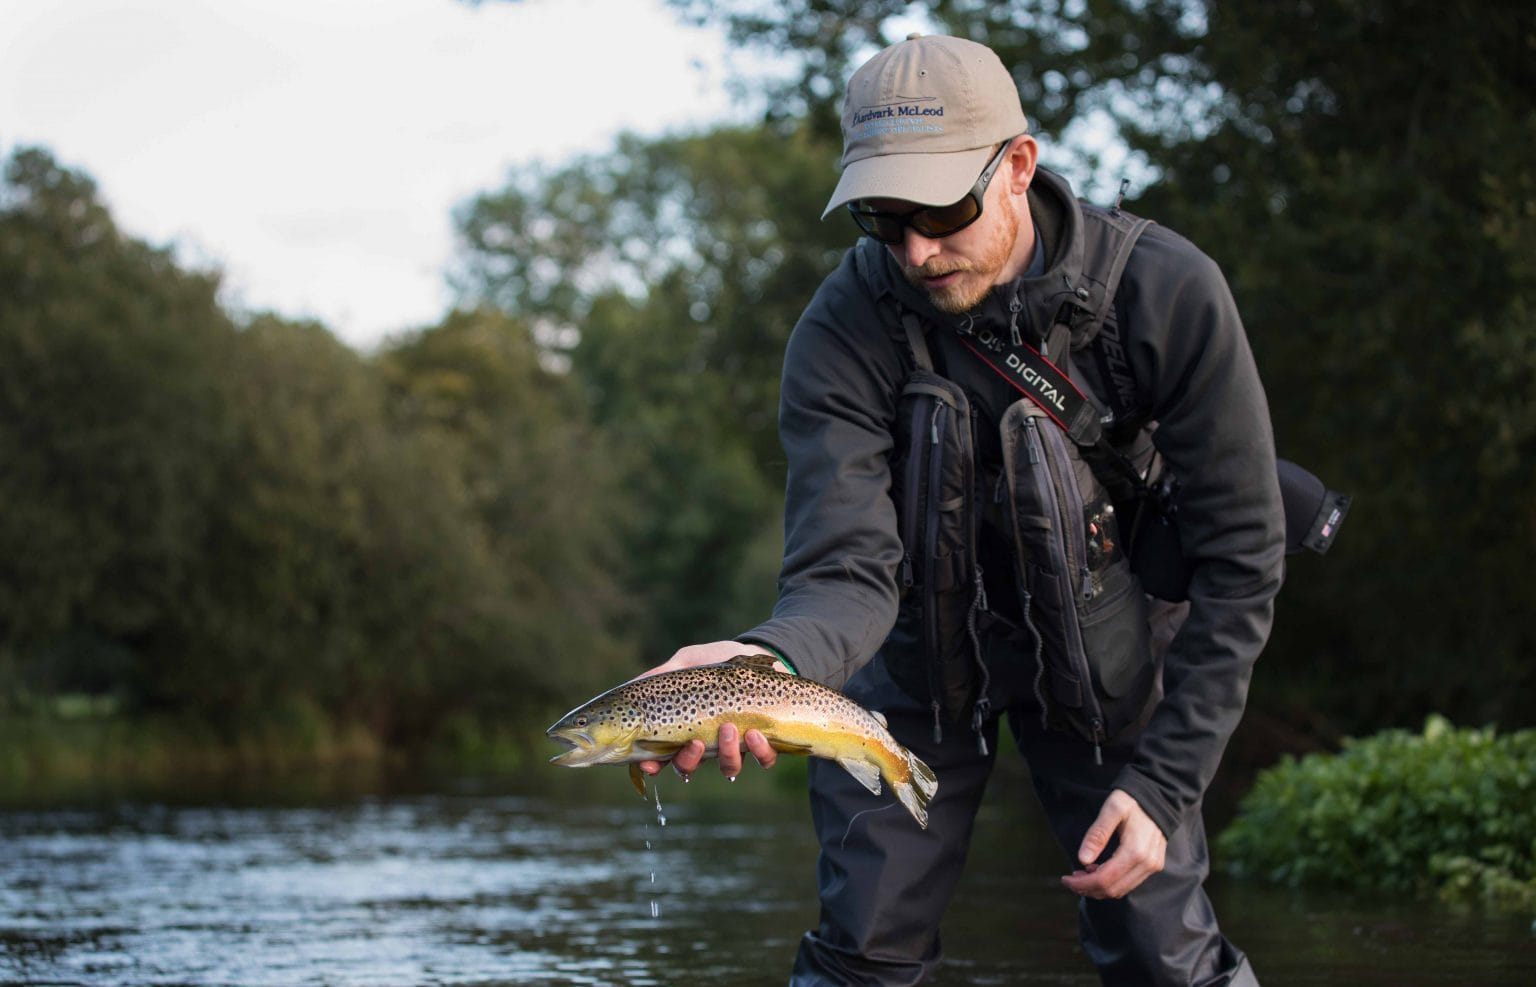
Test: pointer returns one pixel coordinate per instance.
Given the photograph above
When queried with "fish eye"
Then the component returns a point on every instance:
(581, 721)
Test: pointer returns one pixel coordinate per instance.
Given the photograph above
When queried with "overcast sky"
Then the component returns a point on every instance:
(314, 149)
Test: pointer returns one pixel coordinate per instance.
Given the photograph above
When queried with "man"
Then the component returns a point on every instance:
(981, 245)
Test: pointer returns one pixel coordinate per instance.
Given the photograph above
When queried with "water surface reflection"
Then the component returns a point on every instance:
(582, 884)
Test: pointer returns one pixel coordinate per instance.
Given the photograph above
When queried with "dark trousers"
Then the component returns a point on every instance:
(885, 883)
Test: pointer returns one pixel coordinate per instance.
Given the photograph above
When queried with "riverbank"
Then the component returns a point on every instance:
(79, 744)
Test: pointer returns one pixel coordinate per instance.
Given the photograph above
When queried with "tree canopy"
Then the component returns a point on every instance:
(238, 520)
(578, 471)
(1358, 169)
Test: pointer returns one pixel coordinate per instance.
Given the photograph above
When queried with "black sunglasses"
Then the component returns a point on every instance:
(930, 221)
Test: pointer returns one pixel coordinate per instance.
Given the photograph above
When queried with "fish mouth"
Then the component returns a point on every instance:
(581, 749)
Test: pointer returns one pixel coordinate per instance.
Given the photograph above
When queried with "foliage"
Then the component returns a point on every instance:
(666, 275)
(238, 522)
(111, 410)
(241, 519)
(1449, 812)
(1360, 171)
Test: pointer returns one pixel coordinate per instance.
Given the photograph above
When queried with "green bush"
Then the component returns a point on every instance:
(1449, 812)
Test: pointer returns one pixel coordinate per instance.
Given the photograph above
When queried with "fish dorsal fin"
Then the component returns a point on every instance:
(764, 662)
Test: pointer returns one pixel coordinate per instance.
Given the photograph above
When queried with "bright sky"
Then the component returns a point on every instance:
(314, 149)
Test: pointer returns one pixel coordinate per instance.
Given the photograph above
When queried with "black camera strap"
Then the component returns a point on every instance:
(1053, 391)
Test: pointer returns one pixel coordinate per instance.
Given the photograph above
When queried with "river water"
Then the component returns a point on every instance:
(575, 881)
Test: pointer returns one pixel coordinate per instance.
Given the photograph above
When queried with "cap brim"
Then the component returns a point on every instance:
(924, 179)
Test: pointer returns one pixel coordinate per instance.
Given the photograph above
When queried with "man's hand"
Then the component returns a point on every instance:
(1138, 857)
(686, 761)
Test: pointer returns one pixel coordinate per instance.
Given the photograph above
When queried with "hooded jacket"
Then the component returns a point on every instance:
(1181, 342)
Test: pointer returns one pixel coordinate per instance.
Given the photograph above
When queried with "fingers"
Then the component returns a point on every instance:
(1140, 854)
(761, 749)
(1117, 877)
(731, 746)
(730, 750)
(1098, 836)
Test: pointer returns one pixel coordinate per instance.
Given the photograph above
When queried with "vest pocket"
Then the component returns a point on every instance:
(1080, 601)
(929, 653)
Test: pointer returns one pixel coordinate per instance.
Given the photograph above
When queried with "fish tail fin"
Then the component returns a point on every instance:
(919, 790)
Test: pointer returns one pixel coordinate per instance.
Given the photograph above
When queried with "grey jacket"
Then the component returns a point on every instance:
(1193, 372)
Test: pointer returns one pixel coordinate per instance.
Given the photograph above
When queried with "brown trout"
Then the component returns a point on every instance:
(652, 718)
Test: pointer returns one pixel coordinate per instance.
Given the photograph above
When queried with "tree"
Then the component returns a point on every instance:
(667, 275)
(1359, 169)
(111, 413)
(249, 523)
(539, 481)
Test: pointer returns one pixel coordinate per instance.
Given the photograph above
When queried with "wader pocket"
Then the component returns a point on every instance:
(930, 653)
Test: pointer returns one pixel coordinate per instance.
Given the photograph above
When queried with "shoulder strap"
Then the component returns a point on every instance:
(1121, 257)
(1107, 344)
(894, 311)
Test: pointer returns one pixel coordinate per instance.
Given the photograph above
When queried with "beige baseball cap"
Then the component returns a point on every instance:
(922, 118)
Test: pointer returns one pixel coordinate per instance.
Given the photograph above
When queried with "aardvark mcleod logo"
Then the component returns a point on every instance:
(905, 114)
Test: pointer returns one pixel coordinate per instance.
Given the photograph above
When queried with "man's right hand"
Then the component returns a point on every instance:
(686, 761)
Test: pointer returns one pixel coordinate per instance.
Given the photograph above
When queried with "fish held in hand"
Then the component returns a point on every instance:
(651, 718)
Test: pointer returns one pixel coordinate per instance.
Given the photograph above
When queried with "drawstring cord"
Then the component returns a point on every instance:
(983, 707)
(1039, 660)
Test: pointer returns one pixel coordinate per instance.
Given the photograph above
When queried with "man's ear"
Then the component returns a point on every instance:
(1020, 165)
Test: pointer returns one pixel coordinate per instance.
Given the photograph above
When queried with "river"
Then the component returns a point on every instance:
(567, 878)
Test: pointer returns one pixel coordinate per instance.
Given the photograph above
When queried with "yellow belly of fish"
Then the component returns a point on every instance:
(832, 741)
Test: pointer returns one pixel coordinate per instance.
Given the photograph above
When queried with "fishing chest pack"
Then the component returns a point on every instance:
(1091, 514)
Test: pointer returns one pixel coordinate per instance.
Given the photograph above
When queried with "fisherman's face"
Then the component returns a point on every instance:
(959, 270)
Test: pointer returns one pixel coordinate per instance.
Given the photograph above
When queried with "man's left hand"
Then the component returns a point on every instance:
(1138, 857)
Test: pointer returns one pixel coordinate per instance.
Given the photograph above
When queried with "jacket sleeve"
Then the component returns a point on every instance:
(837, 588)
(1196, 374)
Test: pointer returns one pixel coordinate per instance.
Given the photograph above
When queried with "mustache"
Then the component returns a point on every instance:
(933, 269)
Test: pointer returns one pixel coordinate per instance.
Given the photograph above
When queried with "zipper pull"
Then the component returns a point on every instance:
(1015, 306)
(981, 591)
(1034, 455)
(1098, 740)
(978, 716)
(906, 570)
(1087, 583)
(933, 425)
(938, 729)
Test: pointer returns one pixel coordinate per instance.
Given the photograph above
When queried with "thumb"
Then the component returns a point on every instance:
(1099, 834)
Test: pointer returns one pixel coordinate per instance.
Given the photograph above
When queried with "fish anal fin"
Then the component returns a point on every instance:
(864, 772)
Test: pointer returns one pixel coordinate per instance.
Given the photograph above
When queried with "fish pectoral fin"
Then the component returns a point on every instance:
(655, 750)
(637, 778)
(865, 773)
(788, 747)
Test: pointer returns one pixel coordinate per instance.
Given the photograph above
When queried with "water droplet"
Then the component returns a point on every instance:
(647, 844)
(731, 778)
(655, 908)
